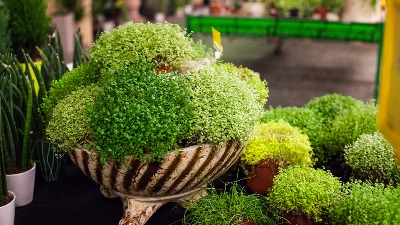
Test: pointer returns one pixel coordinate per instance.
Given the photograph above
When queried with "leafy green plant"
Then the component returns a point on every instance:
(335, 6)
(143, 112)
(327, 108)
(227, 207)
(16, 96)
(3, 153)
(365, 203)
(331, 105)
(372, 158)
(225, 107)
(70, 127)
(161, 45)
(309, 123)
(71, 81)
(348, 126)
(28, 24)
(5, 37)
(156, 107)
(305, 190)
(279, 141)
(252, 78)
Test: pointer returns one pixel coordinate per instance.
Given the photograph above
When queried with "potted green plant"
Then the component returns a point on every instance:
(309, 122)
(305, 194)
(327, 108)
(371, 158)
(143, 130)
(365, 203)
(28, 25)
(349, 125)
(7, 198)
(232, 205)
(273, 145)
(17, 120)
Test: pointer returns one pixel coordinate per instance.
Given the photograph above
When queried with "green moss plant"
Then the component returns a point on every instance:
(279, 141)
(225, 107)
(69, 127)
(309, 123)
(372, 158)
(251, 77)
(161, 45)
(143, 112)
(71, 81)
(348, 126)
(331, 105)
(365, 203)
(305, 190)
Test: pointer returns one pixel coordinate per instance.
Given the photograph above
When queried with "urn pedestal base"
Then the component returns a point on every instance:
(137, 210)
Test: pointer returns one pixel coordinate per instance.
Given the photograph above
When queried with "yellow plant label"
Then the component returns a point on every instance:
(217, 40)
(389, 89)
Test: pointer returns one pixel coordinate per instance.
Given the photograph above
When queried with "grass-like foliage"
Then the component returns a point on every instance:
(365, 203)
(308, 121)
(372, 158)
(70, 128)
(225, 107)
(279, 141)
(71, 81)
(161, 44)
(227, 207)
(141, 113)
(251, 77)
(305, 190)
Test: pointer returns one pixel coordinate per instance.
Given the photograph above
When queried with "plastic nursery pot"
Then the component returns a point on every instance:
(297, 219)
(7, 212)
(22, 185)
(260, 176)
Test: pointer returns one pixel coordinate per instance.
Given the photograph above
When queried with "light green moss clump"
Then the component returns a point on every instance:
(225, 107)
(279, 141)
(69, 127)
(372, 158)
(160, 44)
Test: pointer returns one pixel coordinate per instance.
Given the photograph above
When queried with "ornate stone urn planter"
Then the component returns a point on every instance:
(146, 187)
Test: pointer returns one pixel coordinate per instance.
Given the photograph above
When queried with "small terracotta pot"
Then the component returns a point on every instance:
(246, 223)
(297, 219)
(260, 176)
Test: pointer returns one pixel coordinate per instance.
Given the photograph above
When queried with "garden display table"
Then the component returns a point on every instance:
(279, 29)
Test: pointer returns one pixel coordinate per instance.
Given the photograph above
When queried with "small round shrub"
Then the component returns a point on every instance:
(82, 76)
(252, 78)
(372, 158)
(331, 105)
(140, 113)
(305, 190)
(69, 127)
(160, 44)
(348, 126)
(365, 203)
(308, 121)
(225, 107)
(279, 141)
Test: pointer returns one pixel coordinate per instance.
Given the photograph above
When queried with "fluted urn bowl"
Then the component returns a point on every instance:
(144, 188)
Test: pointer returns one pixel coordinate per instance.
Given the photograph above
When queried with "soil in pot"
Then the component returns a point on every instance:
(246, 223)
(260, 176)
